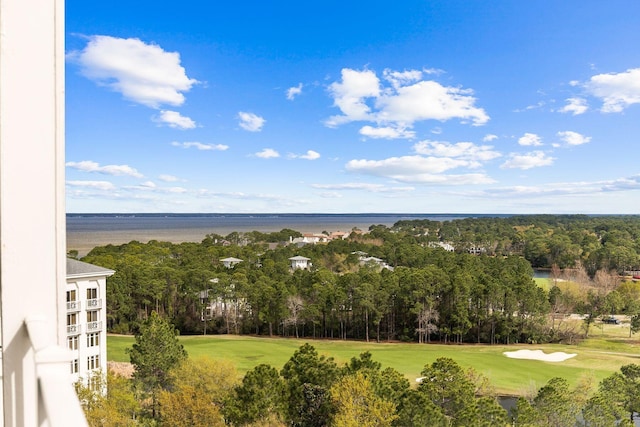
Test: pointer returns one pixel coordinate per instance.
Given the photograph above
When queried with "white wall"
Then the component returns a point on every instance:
(32, 212)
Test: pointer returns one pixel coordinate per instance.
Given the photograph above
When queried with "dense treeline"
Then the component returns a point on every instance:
(597, 242)
(427, 293)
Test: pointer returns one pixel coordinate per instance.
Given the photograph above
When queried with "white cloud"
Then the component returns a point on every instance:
(374, 188)
(294, 91)
(463, 150)
(386, 132)
(530, 139)
(267, 153)
(489, 137)
(402, 78)
(201, 146)
(175, 120)
(617, 90)
(527, 161)
(407, 100)
(241, 196)
(566, 188)
(418, 169)
(429, 100)
(142, 73)
(310, 155)
(150, 186)
(350, 94)
(116, 170)
(573, 138)
(576, 106)
(94, 185)
(251, 122)
(168, 178)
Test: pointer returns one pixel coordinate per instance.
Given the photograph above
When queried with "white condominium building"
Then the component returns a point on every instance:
(86, 318)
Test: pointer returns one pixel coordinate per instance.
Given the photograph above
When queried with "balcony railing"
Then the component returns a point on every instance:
(94, 326)
(73, 306)
(74, 329)
(94, 303)
(58, 403)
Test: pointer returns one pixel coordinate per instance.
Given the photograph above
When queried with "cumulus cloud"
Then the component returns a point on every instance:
(201, 146)
(374, 188)
(402, 78)
(309, 155)
(251, 122)
(116, 170)
(573, 138)
(294, 91)
(489, 137)
(94, 185)
(527, 161)
(268, 153)
(616, 90)
(404, 99)
(350, 94)
(575, 106)
(419, 169)
(386, 132)
(174, 120)
(530, 139)
(143, 73)
(463, 150)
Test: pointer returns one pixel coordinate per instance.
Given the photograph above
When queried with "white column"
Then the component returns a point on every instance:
(32, 213)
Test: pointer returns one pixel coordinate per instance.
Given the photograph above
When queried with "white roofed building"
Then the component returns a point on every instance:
(300, 262)
(230, 262)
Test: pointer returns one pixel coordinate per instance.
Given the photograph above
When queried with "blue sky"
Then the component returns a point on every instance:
(348, 107)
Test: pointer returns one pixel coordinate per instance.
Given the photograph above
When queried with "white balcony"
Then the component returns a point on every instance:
(94, 327)
(73, 306)
(94, 303)
(74, 329)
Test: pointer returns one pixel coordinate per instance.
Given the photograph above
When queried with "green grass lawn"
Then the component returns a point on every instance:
(599, 356)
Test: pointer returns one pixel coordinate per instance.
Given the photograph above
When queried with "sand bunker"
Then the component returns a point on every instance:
(558, 356)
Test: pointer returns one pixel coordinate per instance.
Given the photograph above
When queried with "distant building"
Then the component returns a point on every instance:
(230, 262)
(373, 261)
(300, 262)
(86, 318)
(338, 235)
(446, 246)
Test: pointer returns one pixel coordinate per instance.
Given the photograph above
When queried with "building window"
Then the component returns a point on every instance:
(93, 362)
(92, 293)
(72, 319)
(92, 316)
(72, 296)
(72, 342)
(95, 383)
(74, 366)
(93, 339)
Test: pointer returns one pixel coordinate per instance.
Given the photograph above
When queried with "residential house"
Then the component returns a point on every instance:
(230, 262)
(300, 262)
(375, 262)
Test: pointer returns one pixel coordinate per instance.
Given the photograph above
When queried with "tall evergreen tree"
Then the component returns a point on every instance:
(155, 352)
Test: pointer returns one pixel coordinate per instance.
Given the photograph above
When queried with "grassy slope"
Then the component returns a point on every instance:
(600, 356)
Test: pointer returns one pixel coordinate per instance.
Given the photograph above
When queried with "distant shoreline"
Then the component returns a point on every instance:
(88, 230)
